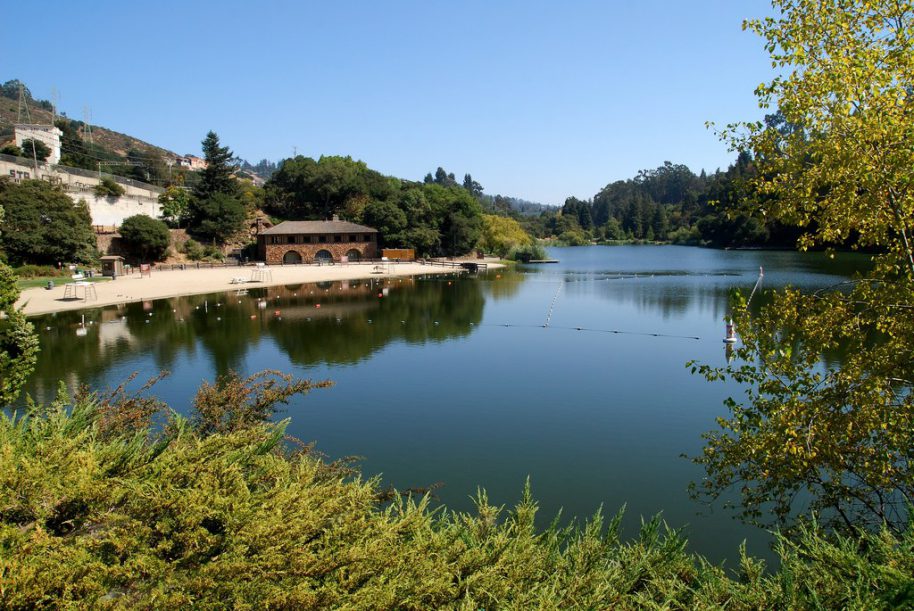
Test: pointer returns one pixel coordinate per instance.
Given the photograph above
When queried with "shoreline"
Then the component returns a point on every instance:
(178, 283)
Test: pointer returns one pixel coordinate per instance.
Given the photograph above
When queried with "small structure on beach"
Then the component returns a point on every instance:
(399, 254)
(112, 266)
(293, 242)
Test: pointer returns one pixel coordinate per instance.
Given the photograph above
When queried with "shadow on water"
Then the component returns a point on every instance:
(339, 323)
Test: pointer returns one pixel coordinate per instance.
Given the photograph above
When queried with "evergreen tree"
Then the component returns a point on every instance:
(217, 177)
(215, 211)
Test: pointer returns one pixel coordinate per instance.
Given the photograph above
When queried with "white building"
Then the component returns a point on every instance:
(47, 134)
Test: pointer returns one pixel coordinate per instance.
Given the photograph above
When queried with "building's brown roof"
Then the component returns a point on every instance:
(311, 227)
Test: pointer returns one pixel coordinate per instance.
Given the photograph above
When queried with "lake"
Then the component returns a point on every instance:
(456, 380)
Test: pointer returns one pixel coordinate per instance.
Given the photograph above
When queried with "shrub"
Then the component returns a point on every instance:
(108, 187)
(145, 237)
(39, 271)
(193, 249)
(101, 509)
(526, 253)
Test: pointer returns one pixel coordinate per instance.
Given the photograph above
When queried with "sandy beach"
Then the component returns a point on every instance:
(165, 284)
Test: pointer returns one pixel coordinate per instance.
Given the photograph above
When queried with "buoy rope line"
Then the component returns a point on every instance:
(613, 331)
(758, 283)
(552, 305)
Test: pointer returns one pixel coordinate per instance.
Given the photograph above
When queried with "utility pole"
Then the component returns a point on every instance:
(294, 151)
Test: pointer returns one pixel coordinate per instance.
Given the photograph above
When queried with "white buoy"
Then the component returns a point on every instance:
(731, 333)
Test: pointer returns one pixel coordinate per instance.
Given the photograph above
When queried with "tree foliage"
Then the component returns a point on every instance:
(31, 147)
(175, 203)
(217, 217)
(216, 212)
(217, 176)
(108, 187)
(434, 218)
(145, 237)
(829, 411)
(43, 225)
(304, 188)
(18, 343)
(501, 235)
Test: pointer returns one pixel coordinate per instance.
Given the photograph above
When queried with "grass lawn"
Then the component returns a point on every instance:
(30, 283)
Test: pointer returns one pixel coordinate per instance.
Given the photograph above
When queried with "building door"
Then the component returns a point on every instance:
(353, 256)
(323, 256)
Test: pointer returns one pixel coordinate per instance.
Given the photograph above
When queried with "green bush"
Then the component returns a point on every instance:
(193, 249)
(145, 237)
(526, 252)
(574, 237)
(108, 187)
(39, 271)
(98, 508)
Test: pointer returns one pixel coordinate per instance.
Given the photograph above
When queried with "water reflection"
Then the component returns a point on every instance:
(334, 323)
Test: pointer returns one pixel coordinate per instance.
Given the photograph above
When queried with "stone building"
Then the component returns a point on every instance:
(317, 241)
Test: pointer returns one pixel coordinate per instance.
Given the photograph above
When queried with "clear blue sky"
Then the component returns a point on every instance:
(539, 100)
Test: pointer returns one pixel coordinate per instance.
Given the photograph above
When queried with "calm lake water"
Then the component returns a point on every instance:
(455, 380)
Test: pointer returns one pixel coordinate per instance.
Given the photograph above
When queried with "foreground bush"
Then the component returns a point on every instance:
(98, 509)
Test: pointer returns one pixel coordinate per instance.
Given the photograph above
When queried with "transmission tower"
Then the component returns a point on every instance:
(23, 106)
(87, 124)
(55, 102)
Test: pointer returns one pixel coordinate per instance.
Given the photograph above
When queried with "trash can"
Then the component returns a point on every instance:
(50, 285)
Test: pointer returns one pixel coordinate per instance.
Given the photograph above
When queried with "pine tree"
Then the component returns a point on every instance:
(217, 177)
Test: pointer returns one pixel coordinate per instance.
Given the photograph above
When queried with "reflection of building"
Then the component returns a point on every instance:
(46, 134)
(315, 241)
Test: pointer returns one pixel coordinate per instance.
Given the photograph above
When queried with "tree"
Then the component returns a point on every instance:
(18, 343)
(43, 225)
(303, 188)
(388, 219)
(145, 237)
(215, 212)
(457, 215)
(472, 186)
(501, 235)
(840, 432)
(217, 217)
(12, 149)
(217, 177)
(175, 203)
(37, 148)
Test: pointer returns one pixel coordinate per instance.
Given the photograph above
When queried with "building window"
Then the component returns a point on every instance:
(338, 238)
(353, 238)
(323, 239)
(314, 239)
